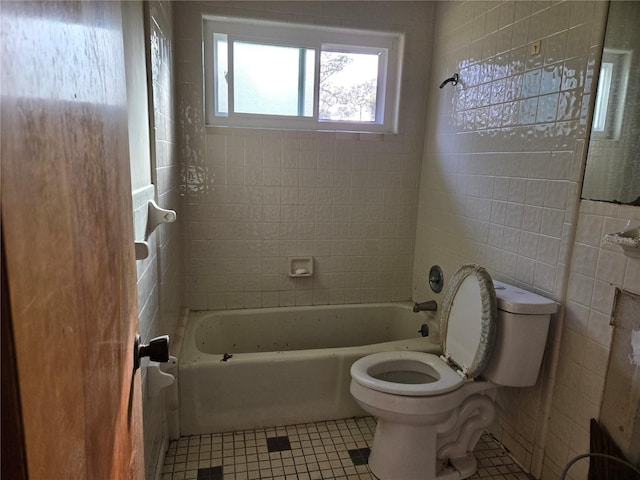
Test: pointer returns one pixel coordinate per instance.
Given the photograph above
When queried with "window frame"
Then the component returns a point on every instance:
(389, 44)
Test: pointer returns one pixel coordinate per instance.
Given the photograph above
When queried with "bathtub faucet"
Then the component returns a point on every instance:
(428, 306)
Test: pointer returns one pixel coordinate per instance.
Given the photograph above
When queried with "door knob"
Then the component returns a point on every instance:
(157, 350)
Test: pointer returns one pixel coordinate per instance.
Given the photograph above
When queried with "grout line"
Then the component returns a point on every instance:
(328, 450)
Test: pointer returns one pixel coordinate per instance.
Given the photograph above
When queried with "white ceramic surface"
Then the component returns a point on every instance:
(288, 365)
(410, 440)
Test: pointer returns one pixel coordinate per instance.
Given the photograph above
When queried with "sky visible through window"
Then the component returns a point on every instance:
(348, 86)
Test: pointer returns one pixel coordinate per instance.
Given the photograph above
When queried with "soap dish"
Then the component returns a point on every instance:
(629, 240)
(300, 266)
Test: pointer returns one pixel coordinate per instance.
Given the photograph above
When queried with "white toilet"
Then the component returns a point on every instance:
(432, 410)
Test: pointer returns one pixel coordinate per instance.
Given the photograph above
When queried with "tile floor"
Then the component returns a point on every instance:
(335, 449)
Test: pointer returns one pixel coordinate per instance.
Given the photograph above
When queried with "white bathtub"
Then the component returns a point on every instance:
(287, 365)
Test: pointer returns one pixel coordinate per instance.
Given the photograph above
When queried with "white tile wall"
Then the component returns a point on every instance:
(167, 169)
(147, 269)
(502, 168)
(596, 270)
(255, 197)
(159, 276)
(149, 320)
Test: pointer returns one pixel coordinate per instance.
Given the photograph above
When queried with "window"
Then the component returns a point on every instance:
(279, 75)
(608, 113)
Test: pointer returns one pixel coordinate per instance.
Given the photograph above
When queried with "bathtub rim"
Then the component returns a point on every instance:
(191, 355)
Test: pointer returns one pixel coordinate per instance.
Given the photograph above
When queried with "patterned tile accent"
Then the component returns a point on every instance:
(360, 456)
(330, 450)
(212, 473)
(278, 444)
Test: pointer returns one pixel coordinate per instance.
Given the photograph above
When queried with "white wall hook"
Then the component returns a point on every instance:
(158, 215)
(142, 250)
(157, 379)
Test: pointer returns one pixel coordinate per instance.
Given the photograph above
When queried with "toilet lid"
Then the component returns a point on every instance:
(468, 320)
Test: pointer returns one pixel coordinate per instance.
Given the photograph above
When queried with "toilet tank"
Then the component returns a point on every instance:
(523, 323)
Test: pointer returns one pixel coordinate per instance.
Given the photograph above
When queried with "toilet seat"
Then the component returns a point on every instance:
(368, 370)
(468, 327)
(468, 320)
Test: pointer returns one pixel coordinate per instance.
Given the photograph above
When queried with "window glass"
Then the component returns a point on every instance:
(602, 98)
(348, 86)
(270, 79)
(610, 97)
(221, 71)
(280, 75)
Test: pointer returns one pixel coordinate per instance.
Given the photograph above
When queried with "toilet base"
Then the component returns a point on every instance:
(393, 460)
(418, 451)
(459, 468)
(394, 453)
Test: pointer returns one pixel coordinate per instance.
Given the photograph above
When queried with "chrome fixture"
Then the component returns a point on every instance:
(428, 306)
(436, 279)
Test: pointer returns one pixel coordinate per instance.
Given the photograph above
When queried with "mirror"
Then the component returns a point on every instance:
(613, 162)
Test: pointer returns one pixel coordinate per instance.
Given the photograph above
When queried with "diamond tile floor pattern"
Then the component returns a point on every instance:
(330, 450)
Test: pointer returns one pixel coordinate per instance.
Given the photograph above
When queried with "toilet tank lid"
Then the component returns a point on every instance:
(516, 300)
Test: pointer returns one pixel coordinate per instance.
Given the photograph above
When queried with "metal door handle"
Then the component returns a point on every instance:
(157, 350)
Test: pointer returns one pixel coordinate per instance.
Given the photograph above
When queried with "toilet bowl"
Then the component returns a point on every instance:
(431, 409)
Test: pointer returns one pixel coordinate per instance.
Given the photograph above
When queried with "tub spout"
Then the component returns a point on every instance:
(428, 306)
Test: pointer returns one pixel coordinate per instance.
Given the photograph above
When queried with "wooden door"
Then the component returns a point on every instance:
(68, 239)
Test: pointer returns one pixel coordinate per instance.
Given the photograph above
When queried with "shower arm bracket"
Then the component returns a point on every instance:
(453, 80)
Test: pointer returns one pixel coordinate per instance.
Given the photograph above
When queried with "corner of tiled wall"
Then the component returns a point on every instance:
(148, 319)
(503, 162)
(159, 276)
(597, 269)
